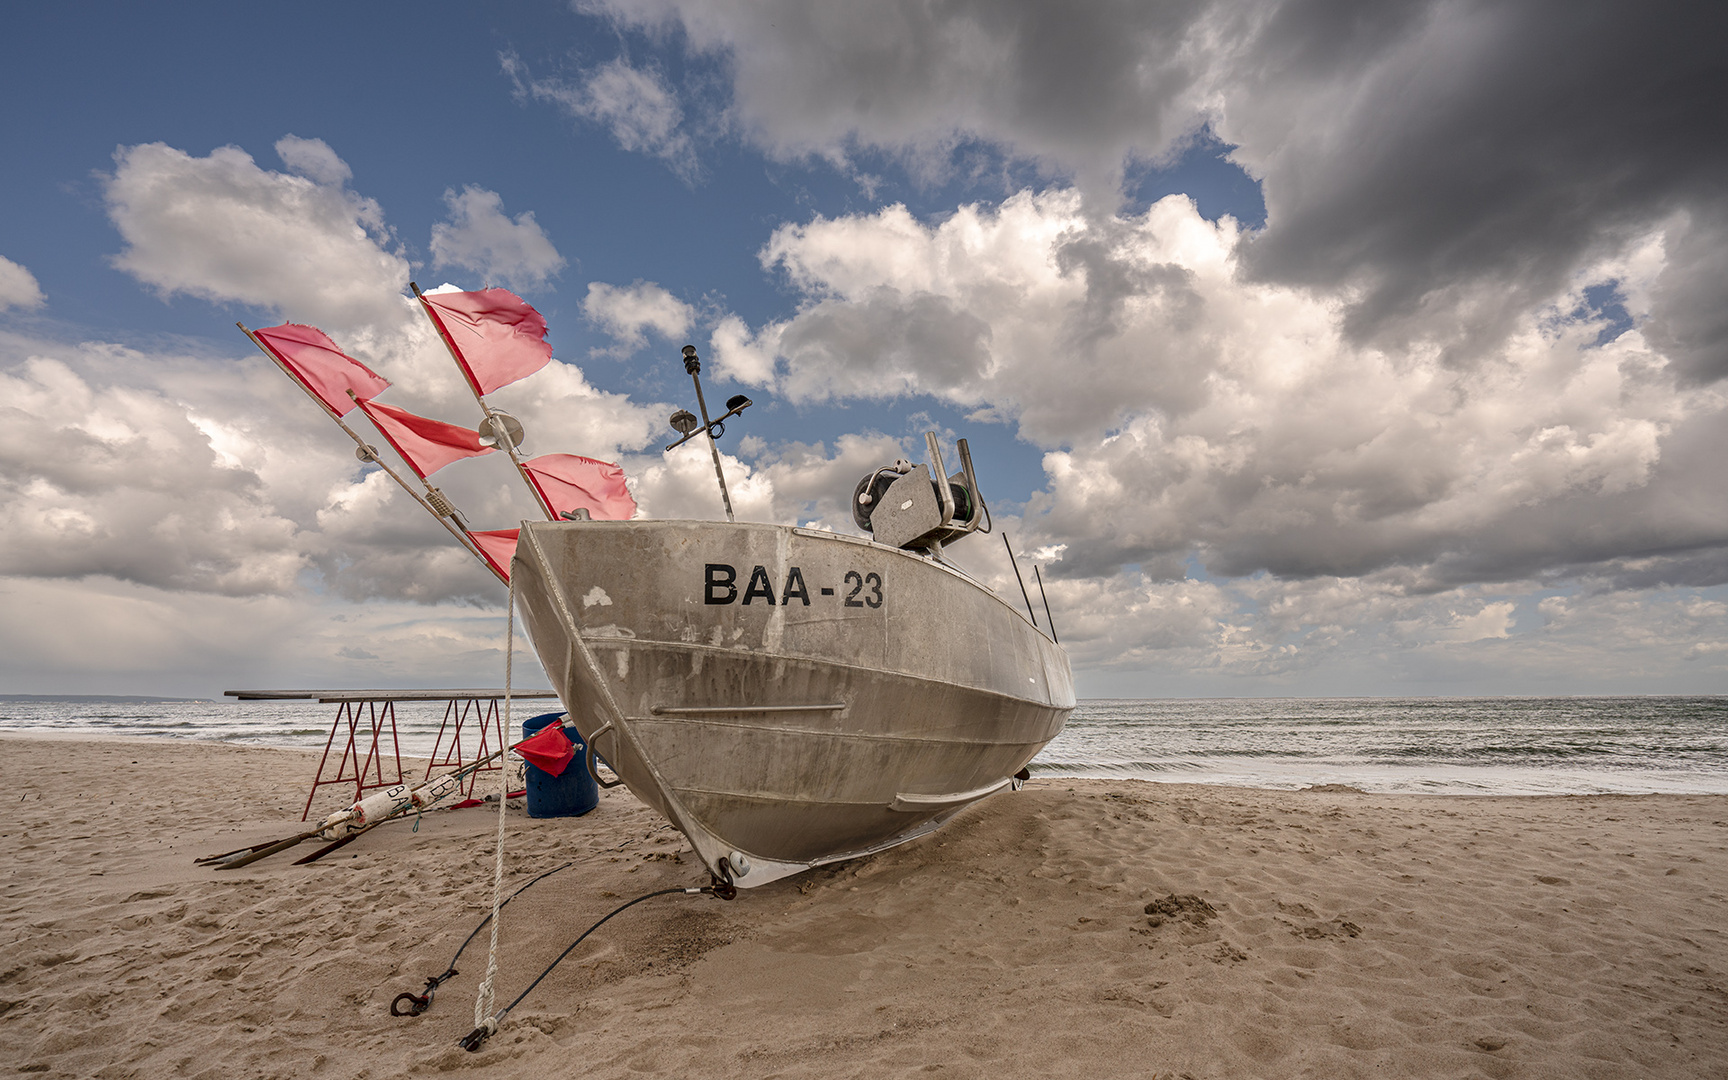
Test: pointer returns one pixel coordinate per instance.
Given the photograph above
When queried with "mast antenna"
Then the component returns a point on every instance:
(687, 426)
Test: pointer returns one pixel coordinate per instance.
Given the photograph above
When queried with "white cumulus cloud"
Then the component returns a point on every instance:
(1440, 168)
(627, 312)
(634, 103)
(479, 236)
(18, 287)
(131, 483)
(221, 228)
(1189, 410)
(313, 159)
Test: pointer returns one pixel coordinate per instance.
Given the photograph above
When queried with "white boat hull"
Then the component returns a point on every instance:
(789, 695)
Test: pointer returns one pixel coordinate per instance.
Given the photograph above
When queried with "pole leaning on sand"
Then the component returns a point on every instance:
(344, 825)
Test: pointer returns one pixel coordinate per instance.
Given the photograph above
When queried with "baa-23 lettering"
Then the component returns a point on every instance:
(720, 586)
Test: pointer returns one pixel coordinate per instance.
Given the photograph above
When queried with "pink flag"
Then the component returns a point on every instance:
(499, 547)
(426, 445)
(318, 365)
(569, 482)
(549, 749)
(496, 336)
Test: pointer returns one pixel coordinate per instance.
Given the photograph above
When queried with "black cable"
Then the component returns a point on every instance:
(407, 1004)
(471, 1041)
(585, 933)
(502, 906)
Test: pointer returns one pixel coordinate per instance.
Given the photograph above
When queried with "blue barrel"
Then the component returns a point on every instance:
(570, 794)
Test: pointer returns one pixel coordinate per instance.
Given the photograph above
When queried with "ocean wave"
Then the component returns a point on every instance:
(1440, 745)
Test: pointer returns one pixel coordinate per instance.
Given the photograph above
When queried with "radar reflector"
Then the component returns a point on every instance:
(500, 424)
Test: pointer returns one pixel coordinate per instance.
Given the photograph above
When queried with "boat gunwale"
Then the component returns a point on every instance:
(935, 561)
(931, 560)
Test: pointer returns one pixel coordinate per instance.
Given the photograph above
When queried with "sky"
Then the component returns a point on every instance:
(1307, 348)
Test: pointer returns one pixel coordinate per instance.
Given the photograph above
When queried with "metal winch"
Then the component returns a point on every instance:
(902, 505)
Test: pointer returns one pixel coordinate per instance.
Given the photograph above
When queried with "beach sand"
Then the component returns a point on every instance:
(1319, 933)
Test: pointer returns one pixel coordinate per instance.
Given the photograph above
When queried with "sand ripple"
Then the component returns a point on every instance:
(1078, 928)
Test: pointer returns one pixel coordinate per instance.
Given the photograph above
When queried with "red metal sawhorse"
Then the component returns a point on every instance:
(491, 720)
(461, 705)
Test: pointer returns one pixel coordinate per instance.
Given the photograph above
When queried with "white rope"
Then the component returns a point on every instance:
(483, 1001)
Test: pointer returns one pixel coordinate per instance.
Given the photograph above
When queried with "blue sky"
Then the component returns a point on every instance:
(415, 100)
(1302, 363)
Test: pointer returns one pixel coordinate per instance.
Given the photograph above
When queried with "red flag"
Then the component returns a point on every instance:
(498, 338)
(317, 364)
(426, 445)
(549, 749)
(498, 547)
(569, 482)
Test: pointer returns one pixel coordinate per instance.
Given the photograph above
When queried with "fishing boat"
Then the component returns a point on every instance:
(787, 697)
(790, 697)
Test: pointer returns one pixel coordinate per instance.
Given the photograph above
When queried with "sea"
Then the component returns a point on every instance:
(1460, 746)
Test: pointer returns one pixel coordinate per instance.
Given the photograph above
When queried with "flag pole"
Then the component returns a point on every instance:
(368, 453)
(497, 429)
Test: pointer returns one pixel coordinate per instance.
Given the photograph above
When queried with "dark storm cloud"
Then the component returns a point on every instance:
(1689, 312)
(1450, 163)
(1458, 162)
(1073, 87)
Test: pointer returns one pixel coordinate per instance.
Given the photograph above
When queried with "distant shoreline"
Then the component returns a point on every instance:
(104, 699)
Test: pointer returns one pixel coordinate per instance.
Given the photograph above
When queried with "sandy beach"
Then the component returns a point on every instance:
(1074, 929)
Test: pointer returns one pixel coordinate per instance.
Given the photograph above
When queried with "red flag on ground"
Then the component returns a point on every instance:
(316, 363)
(549, 749)
(498, 337)
(569, 482)
(498, 546)
(426, 445)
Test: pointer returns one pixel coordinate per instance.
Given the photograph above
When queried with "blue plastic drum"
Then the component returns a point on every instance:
(570, 794)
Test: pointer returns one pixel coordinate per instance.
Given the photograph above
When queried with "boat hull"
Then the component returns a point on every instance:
(789, 695)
